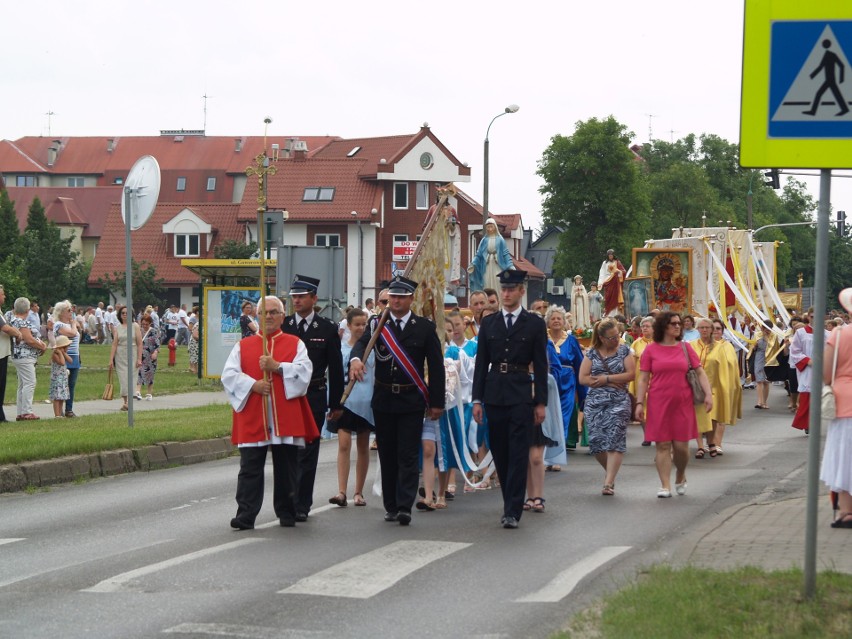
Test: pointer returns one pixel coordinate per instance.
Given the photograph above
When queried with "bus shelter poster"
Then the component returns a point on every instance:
(232, 307)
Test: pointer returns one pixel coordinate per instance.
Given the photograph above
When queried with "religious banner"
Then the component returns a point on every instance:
(671, 276)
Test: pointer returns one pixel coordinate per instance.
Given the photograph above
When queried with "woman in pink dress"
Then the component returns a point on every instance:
(670, 415)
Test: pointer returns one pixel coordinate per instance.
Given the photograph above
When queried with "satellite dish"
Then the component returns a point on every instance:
(142, 188)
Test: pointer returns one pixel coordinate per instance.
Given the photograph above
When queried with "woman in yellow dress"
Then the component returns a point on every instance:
(705, 346)
(638, 346)
(727, 392)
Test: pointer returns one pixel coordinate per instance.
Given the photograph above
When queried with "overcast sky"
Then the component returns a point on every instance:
(357, 69)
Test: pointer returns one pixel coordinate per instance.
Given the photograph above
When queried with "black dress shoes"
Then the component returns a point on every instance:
(301, 516)
(509, 522)
(287, 522)
(241, 525)
(391, 516)
(403, 517)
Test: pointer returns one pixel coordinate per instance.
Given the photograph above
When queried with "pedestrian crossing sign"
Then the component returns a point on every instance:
(796, 109)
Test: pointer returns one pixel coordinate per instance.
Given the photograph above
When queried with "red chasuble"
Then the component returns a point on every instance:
(291, 417)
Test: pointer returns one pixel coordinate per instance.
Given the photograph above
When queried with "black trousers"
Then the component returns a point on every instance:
(509, 431)
(398, 437)
(4, 367)
(250, 481)
(309, 455)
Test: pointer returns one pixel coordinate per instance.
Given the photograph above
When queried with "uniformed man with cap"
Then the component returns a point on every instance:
(322, 340)
(509, 342)
(401, 395)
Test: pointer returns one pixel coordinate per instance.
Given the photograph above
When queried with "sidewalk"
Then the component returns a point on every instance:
(767, 534)
(102, 407)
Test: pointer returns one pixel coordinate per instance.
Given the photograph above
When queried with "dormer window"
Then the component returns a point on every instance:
(318, 194)
(187, 245)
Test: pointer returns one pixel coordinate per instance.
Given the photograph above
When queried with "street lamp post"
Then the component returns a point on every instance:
(512, 108)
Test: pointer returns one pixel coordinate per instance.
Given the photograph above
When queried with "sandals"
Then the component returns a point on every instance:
(359, 500)
(719, 451)
(608, 490)
(339, 500)
(424, 505)
(538, 505)
(529, 503)
(553, 469)
(699, 454)
(714, 450)
(440, 504)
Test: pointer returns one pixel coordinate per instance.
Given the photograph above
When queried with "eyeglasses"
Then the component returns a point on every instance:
(611, 338)
(383, 301)
(273, 313)
(674, 323)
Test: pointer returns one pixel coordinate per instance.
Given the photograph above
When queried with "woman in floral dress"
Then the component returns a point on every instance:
(150, 349)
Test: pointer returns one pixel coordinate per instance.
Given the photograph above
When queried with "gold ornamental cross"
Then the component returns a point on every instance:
(261, 168)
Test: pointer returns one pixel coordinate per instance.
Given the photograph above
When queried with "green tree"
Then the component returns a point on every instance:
(594, 187)
(13, 279)
(10, 232)
(234, 250)
(46, 257)
(147, 287)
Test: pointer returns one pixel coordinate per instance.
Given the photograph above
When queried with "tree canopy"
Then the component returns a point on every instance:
(609, 195)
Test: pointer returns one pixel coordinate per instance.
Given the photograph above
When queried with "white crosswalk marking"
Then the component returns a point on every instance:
(11, 540)
(561, 585)
(243, 632)
(115, 584)
(369, 574)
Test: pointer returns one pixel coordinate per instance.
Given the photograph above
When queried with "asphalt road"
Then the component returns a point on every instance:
(151, 554)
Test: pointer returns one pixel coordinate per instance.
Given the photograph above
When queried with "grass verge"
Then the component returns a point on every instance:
(699, 603)
(169, 380)
(51, 438)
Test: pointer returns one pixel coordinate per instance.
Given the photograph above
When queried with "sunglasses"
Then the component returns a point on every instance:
(674, 323)
(383, 301)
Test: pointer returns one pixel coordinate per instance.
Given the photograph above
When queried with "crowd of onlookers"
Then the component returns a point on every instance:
(27, 333)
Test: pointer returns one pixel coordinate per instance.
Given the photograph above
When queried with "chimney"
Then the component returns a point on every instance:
(276, 151)
(110, 145)
(238, 144)
(53, 152)
(300, 150)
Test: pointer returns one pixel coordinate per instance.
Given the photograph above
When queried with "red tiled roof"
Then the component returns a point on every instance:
(151, 245)
(14, 160)
(88, 205)
(533, 272)
(390, 148)
(509, 222)
(90, 155)
(285, 190)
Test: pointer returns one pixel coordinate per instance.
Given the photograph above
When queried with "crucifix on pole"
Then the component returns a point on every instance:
(261, 168)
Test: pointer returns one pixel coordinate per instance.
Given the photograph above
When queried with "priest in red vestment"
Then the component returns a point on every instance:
(269, 414)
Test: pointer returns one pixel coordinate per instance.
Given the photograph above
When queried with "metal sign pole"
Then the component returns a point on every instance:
(817, 323)
(128, 272)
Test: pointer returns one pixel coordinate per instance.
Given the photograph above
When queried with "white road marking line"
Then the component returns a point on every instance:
(561, 585)
(369, 574)
(11, 540)
(115, 584)
(243, 632)
(123, 551)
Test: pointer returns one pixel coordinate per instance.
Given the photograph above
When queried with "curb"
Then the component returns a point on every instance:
(37, 474)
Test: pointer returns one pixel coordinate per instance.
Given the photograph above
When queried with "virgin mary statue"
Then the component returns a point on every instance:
(492, 257)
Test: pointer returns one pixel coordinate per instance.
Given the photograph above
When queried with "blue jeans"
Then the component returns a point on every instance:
(73, 370)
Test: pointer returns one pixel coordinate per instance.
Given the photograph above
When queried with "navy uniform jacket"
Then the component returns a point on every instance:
(323, 343)
(512, 351)
(420, 340)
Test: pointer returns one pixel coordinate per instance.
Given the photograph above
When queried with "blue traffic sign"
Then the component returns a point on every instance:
(810, 86)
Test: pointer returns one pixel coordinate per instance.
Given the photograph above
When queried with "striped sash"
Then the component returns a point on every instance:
(390, 339)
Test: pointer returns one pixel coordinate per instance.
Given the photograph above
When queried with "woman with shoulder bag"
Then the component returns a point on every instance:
(670, 417)
(607, 368)
(836, 469)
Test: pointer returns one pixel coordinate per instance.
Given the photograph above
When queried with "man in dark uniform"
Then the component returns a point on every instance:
(401, 396)
(509, 342)
(323, 343)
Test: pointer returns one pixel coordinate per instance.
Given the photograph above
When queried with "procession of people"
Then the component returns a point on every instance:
(489, 406)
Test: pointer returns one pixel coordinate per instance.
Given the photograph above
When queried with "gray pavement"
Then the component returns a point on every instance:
(767, 531)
